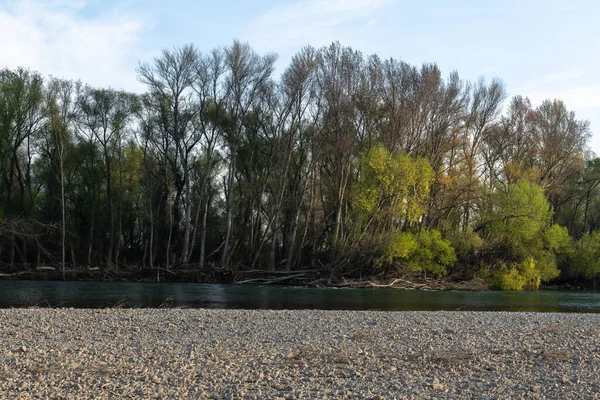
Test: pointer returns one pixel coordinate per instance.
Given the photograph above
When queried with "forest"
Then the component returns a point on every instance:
(345, 163)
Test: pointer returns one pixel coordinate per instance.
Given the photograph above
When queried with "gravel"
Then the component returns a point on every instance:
(256, 354)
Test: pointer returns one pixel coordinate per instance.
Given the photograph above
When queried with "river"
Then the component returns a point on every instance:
(189, 295)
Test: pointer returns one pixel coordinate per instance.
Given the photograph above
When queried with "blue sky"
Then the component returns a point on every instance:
(540, 49)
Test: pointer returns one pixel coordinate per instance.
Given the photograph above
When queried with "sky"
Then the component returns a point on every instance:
(542, 49)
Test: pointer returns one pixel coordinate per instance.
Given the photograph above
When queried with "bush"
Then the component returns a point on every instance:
(398, 248)
(584, 259)
(517, 277)
(465, 243)
(426, 251)
(520, 233)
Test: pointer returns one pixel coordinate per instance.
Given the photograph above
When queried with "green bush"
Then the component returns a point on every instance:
(584, 259)
(425, 251)
(517, 277)
(520, 235)
(399, 247)
(465, 243)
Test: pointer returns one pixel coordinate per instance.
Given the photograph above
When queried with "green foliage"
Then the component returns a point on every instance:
(219, 157)
(433, 253)
(392, 186)
(503, 278)
(557, 238)
(426, 251)
(391, 193)
(584, 259)
(523, 275)
(465, 243)
(520, 215)
(399, 247)
(520, 235)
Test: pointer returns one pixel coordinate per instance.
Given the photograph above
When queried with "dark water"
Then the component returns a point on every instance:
(118, 294)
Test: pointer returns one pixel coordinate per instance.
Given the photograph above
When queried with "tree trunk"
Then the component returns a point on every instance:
(170, 237)
(203, 233)
(194, 232)
(186, 212)
(64, 219)
(120, 222)
(151, 240)
(292, 238)
(91, 236)
(111, 233)
(228, 201)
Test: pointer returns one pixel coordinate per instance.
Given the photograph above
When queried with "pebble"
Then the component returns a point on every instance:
(303, 354)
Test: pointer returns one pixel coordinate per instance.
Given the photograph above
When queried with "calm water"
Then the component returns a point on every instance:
(118, 294)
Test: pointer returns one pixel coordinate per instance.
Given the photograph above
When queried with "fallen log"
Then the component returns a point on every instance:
(268, 281)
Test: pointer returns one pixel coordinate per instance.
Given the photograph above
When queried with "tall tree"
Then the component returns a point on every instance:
(170, 80)
(247, 76)
(104, 116)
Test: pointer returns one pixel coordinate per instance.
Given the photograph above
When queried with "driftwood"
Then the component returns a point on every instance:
(268, 281)
(264, 271)
(15, 273)
(165, 270)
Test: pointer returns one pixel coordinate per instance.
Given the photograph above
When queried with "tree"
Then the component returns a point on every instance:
(559, 140)
(391, 191)
(519, 232)
(583, 261)
(61, 109)
(21, 118)
(247, 77)
(170, 80)
(104, 116)
(346, 162)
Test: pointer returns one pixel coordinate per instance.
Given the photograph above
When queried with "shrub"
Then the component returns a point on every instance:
(521, 276)
(584, 259)
(519, 232)
(426, 251)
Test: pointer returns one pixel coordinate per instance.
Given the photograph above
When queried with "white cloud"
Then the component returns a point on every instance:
(54, 38)
(315, 22)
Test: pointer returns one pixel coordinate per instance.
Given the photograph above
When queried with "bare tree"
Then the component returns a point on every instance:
(61, 110)
(104, 116)
(170, 79)
(248, 74)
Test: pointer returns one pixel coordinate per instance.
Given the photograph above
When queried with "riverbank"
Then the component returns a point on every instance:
(50, 353)
(309, 278)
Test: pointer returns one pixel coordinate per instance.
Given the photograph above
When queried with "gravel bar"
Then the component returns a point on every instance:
(269, 354)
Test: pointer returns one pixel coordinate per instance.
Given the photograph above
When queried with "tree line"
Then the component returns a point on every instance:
(349, 163)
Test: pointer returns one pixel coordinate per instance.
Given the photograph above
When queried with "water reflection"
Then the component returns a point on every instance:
(130, 294)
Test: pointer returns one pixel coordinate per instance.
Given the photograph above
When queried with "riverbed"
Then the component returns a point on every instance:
(255, 354)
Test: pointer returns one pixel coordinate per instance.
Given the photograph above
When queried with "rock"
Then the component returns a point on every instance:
(252, 354)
